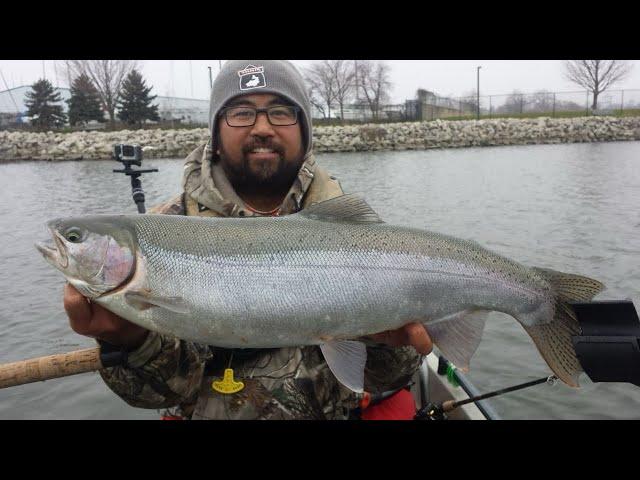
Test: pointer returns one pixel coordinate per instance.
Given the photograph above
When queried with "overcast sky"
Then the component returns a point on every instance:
(190, 78)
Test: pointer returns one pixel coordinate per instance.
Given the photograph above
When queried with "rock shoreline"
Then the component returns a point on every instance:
(52, 146)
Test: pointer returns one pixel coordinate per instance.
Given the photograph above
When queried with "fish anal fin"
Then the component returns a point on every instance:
(458, 335)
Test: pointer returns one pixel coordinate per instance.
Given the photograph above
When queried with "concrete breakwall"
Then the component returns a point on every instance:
(51, 146)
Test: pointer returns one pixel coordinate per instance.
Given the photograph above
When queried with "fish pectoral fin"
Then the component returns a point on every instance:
(346, 360)
(458, 335)
(143, 300)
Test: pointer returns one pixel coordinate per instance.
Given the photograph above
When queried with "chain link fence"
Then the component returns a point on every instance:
(516, 104)
(559, 104)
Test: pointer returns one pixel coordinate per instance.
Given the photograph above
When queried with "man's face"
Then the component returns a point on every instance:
(263, 153)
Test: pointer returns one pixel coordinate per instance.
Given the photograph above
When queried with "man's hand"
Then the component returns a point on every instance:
(413, 334)
(92, 320)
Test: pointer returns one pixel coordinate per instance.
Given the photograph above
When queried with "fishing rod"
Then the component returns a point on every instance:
(59, 365)
(438, 411)
(608, 350)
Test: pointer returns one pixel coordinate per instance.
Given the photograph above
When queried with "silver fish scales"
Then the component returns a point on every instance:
(327, 276)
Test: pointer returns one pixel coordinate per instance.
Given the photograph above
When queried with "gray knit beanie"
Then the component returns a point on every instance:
(246, 77)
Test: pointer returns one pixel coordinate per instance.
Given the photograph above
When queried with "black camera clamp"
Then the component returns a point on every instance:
(130, 155)
(608, 347)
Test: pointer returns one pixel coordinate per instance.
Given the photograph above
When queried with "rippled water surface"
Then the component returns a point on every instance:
(574, 208)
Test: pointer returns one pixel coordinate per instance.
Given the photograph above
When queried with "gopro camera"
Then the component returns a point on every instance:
(131, 154)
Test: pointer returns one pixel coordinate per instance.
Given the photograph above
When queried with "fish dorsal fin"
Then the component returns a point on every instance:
(346, 360)
(346, 208)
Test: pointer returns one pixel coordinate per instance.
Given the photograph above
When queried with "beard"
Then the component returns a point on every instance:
(260, 174)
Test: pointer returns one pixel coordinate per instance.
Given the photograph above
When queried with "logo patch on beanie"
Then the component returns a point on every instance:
(252, 77)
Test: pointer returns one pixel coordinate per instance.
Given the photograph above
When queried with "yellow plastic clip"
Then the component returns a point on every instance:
(227, 385)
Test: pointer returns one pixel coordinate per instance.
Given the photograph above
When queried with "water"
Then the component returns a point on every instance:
(568, 207)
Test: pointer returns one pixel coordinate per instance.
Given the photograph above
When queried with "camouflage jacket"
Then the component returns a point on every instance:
(285, 383)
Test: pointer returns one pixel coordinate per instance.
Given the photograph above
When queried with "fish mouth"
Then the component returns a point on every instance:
(54, 251)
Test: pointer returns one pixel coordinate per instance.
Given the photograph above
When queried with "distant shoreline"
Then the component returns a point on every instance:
(94, 145)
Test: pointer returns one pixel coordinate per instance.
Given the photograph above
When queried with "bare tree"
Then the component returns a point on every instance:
(343, 73)
(106, 75)
(596, 75)
(319, 77)
(542, 101)
(374, 83)
(515, 102)
(468, 103)
(316, 101)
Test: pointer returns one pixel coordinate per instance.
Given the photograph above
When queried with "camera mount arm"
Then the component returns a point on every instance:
(130, 155)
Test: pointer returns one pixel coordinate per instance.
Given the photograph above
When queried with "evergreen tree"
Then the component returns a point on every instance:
(43, 106)
(84, 104)
(135, 101)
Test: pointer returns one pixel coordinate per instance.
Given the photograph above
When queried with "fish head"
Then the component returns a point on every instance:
(95, 255)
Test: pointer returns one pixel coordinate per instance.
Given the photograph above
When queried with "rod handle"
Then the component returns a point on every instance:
(52, 366)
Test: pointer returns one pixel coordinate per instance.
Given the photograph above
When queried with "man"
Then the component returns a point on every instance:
(257, 162)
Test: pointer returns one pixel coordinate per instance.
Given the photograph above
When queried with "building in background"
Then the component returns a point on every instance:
(13, 110)
(190, 111)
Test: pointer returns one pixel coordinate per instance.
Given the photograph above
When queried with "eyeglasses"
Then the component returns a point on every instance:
(278, 115)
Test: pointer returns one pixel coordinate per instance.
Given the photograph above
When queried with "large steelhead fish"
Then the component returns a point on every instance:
(325, 276)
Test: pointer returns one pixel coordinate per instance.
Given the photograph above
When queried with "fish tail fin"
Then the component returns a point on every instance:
(553, 339)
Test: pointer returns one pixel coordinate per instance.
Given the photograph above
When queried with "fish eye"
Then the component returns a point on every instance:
(74, 235)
